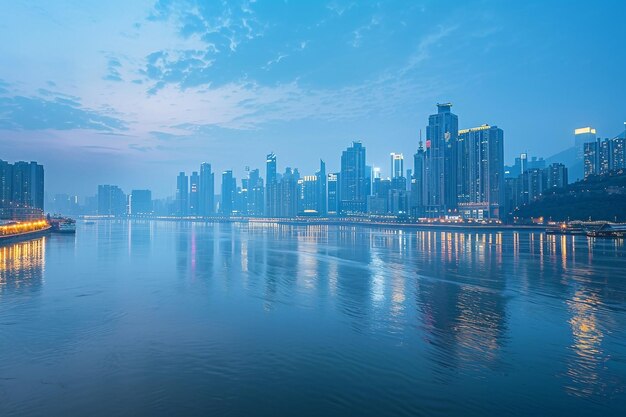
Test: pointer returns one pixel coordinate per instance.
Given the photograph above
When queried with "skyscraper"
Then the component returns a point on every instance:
(288, 193)
(397, 165)
(480, 172)
(321, 189)
(140, 202)
(111, 201)
(229, 190)
(418, 182)
(603, 156)
(441, 160)
(557, 175)
(206, 204)
(333, 193)
(581, 136)
(256, 201)
(194, 193)
(27, 186)
(353, 189)
(271, 187)
(182, 194)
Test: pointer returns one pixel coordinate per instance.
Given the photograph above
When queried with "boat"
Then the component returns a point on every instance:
(609, 230)
(12, 231)
(63, 225)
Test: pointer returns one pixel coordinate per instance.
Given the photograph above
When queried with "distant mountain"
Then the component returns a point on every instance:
(599, 197)
(568, 157)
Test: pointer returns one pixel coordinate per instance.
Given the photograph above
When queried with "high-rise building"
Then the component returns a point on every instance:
(229, 190)
(206, 204)
(480, 174)
(603, 156)
(322, 205)
(418, 182)
(256, 201)
(111, 201)
(271, 187)
(140, 202)
(288, 193)
(309, 194)
(557, 175)
(6, 184)
(397, 165)
(182, 194)
(333, 193)
(441, 161)
(194, 194)
(353, 189)
(581, 136)
(27, 186)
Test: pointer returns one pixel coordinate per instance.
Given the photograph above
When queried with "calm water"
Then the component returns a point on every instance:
(166, 318)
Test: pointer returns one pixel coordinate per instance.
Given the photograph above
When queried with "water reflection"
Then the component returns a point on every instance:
(403, 316)
(22, 265)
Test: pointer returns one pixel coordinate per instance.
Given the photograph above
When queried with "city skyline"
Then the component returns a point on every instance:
(169, 85)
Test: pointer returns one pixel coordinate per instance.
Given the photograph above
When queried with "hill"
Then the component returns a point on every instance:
(598, 197)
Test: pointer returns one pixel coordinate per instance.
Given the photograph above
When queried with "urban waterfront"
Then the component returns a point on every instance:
(180, 318)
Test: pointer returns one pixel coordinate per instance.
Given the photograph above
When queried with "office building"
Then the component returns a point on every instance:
(288, 193)
(556, 175)
(603, 156)
(256, 195)
(353, 180)
(271, 187)
(140, 202)
(111, 201)
(397, 165)
(322, 204)
(480, 174)
(194, 194)
(182, 195)
(441, 161)
(582, 136)
(206, 203)
(333, 193)
(229, 190)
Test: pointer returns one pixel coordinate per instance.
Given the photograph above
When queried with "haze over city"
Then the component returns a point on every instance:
(133, 93)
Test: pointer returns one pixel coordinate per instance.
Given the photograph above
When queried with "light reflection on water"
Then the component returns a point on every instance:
(265, 319)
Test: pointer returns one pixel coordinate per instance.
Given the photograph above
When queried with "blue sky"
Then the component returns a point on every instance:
(133, 92)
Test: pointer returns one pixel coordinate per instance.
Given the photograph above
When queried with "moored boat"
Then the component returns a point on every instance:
(21, 230)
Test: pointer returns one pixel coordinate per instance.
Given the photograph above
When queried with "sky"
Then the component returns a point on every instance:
(131, 93)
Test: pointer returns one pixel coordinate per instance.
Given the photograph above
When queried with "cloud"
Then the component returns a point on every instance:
(35, 113)
(113, 70)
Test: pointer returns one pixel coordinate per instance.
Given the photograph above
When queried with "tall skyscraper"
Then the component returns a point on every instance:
(603, 156)
(194, 194)
(480, 172)
(557, 175)
(581, 136)
(256, 201)
(271, 187)
(397, 165)
(140, 202)
(206, 204)
(288, 193)
(111, 201)
(6, 184)
(322, 204)
(27, 186)
(418, 182)
(353, 189)
(441, 160)
(308, 189)
(229, 190)
(182, 194)
(333, 193)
